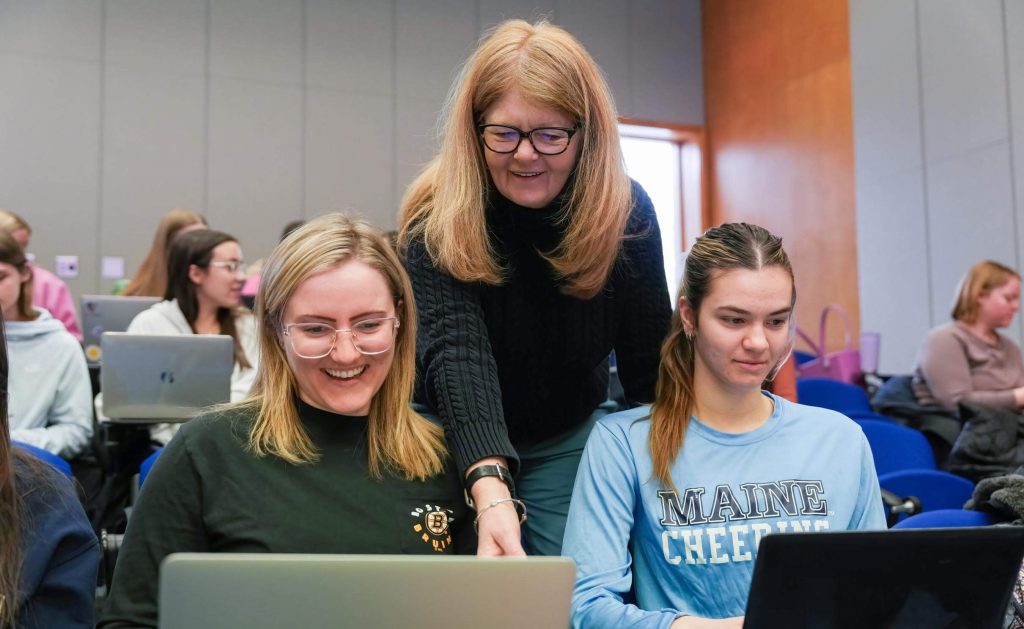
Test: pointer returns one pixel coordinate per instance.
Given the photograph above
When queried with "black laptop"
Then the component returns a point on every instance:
(914, 578)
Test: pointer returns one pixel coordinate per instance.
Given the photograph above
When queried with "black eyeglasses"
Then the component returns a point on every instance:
(545, 140)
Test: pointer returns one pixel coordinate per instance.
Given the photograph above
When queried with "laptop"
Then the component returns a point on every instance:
(107, 313)
(167, 378)
(949, 578)
(269, 591)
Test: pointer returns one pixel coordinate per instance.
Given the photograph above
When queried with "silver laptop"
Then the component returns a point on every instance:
(147, 378)
(266, 591)
(107, 313)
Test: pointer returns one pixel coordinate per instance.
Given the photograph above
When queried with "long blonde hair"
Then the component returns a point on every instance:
(151, 278)
(399, 439)
(983, 277)
(729, 246)
(445, 204)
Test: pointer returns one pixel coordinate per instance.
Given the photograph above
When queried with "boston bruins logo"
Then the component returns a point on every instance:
(433, 525)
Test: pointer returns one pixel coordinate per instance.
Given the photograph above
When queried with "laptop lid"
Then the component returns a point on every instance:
(957, 577)
(107, 313)
(148, 378)
(269, 591)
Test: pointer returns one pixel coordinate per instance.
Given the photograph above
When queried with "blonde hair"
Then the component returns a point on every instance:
(11, 222)
(982, 278)
(399, 439)
(151, 278)
(729, 246)
(445, 204)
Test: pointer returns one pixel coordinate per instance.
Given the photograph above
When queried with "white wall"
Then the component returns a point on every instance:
(256, 112)
(938, 104)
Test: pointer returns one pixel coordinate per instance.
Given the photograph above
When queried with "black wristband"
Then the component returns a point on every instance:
(483, 471)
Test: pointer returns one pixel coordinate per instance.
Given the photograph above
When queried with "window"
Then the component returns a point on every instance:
(668, 162)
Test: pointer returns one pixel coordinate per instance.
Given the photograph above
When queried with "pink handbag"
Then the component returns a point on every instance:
(843, 365)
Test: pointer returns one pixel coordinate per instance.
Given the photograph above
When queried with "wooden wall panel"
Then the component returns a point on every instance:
(780, 136)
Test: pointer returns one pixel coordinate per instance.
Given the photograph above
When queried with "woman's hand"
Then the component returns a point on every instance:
(693, 622)
(498, 532)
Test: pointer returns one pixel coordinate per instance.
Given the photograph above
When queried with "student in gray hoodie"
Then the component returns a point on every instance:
(50, 398)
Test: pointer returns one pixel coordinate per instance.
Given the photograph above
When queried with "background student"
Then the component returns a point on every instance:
(48, 553)
(48, 290)
(150, 280)
(967, 358)
(49, 394)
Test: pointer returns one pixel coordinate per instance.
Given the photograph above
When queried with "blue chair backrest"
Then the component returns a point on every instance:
(936, 490)
(803, 357)
(58, 463)
(833, 394)
(896, 447)
(944, 518)
(148, 465)
(859, 415)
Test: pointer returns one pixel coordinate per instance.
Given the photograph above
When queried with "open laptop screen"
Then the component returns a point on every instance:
(148, 378)
(957, 577)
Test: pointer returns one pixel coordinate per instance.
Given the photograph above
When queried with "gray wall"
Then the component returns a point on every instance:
(257, 112)
(938, 103)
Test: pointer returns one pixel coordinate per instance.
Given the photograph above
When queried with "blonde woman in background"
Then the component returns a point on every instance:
(48, 290)
(326, 455)
(151, 278)
(967, 358)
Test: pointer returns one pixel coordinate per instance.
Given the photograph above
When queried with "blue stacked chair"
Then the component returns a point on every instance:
(945, 518)
(906, 467)
(58, 463)
(833, 394)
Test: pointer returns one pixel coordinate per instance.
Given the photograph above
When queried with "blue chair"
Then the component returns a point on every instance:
(833, 394)
(148, 465)
(803, 357)
(934, 490)
(859, 415)
(896, 447)
(945, 518)
(58, 463)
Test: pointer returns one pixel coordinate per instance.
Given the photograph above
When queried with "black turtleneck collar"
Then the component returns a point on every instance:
(516, 227)
(326, 427)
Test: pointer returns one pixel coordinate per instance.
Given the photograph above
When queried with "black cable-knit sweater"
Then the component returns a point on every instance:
(515, 364)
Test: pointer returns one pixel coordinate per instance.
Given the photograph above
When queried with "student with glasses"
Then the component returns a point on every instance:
(205, 274)
(326, 455)
(533, 256)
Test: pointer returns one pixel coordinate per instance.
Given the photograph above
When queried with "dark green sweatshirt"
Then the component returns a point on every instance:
(208, 493)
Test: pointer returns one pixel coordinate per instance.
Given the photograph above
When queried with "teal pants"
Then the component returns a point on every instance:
(547, 473)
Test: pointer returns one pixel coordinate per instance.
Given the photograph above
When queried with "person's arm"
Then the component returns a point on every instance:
(460, 381)
(597, 538)
(166, 519)
(645, 316)
(943, 363)
(69, 419)
(868, 513)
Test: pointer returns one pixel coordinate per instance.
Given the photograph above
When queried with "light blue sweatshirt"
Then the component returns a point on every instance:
(50, 403)
(691, 550)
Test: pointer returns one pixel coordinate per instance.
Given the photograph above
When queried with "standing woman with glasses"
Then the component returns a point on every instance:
(326, 454)
(533, 256)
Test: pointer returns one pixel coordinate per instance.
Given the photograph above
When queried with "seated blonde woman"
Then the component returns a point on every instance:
(967, 358)
(326, 454)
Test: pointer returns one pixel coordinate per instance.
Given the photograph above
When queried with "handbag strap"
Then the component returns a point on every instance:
(824, 320)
